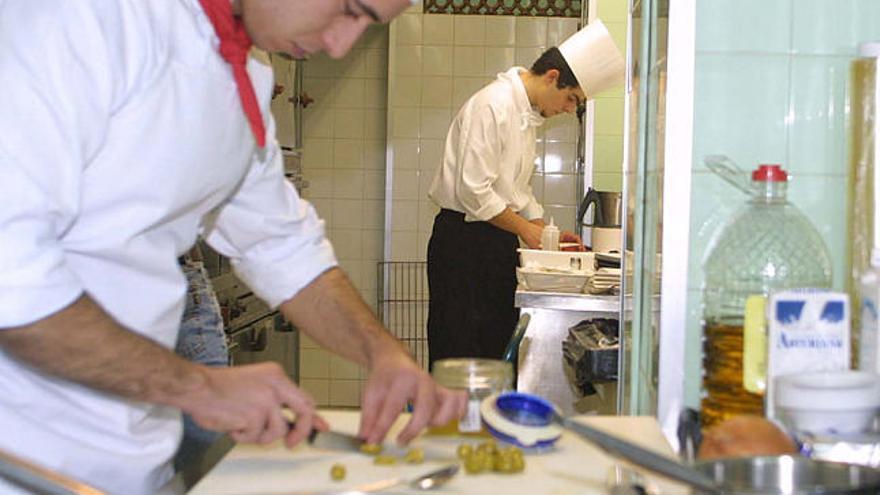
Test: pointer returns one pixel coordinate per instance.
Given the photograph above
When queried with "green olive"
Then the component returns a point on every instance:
(489, 447)
(513, 452)
(464, 451)
(371, 448)
(502, 464)
(518, 463)
(385, 460)
(337, 472)
(414, 456)
(487, 460)
(474, 465)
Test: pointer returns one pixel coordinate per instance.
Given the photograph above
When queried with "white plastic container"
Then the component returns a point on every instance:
(568, 261)
(548, 281)
(828, 401)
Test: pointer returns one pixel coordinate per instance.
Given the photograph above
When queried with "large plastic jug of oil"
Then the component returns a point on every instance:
(767, 245)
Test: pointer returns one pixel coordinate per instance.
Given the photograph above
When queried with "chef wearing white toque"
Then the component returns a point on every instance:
(482, 187)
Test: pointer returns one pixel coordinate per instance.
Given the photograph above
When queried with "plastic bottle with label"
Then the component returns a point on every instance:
(550, 237)
(865, 87)
(767, 245)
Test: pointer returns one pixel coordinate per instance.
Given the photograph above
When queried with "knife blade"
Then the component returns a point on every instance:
(334, 440)
(331, 440)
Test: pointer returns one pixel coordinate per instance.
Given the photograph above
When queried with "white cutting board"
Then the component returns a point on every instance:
(572, 467)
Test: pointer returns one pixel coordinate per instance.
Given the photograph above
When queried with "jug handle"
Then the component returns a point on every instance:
(592, 197)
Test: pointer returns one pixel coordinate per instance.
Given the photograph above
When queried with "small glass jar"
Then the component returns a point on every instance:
(480, 378)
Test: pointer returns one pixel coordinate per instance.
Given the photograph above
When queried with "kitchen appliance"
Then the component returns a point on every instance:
(605, 239)
(607, 208)
(605, 223)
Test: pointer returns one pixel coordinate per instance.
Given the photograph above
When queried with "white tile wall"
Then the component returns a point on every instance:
(459, 54)
(344, 161)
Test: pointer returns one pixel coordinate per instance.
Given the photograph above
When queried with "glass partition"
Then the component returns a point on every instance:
(643, 185)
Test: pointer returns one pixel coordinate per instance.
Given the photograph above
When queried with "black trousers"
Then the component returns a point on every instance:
(472, 283)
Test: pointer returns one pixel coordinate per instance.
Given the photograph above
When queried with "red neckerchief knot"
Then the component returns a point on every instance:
(234, 46)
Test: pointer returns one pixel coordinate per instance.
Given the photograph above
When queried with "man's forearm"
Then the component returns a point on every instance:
(332, 313)
(83, 344)
(528, 231)
(509, 221)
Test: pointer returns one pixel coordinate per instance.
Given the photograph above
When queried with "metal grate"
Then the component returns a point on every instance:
(403, 304)
(532, 8)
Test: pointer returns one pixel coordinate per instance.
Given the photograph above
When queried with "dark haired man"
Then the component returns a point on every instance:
(486, 201)
(129, 128)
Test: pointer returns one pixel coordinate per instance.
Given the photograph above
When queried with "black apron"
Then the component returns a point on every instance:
(472, 283)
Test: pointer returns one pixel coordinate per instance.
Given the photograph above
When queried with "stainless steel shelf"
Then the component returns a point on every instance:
(566, 301)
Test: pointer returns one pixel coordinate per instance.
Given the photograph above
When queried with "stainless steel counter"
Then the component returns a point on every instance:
(540, 365)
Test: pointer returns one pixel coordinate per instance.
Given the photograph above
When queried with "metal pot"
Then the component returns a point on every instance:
(789, 475)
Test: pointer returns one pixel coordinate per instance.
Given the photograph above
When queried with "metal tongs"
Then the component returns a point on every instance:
(728, 170)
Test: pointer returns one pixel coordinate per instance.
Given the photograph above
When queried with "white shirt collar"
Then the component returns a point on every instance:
(529, 117)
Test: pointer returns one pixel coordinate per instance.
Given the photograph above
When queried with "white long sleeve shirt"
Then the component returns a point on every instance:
(489, 156)
(122, 138)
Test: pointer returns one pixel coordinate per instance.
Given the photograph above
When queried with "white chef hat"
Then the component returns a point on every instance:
(594, 58)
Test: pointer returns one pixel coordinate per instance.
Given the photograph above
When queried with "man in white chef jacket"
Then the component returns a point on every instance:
(486, 201)
(126, 132)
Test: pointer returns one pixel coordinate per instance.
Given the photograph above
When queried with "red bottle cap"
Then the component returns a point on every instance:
(769, 173)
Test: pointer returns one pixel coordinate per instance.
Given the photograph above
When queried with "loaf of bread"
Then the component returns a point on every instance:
(745, 436)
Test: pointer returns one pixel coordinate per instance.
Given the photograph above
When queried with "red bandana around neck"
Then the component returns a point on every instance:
(234, 46)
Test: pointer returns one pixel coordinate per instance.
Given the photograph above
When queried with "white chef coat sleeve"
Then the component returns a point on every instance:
(274, 238)
(533, 209)
(479, 155)
(57, 89)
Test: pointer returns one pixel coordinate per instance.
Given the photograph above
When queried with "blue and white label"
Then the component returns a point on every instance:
(808, 330)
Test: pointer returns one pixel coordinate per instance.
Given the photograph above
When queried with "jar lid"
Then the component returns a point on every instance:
(521, 419)
(769, 172)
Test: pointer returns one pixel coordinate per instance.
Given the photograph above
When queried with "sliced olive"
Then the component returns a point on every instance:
(371, 448)
(414, 456)
(337, 472)
(385, 460)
